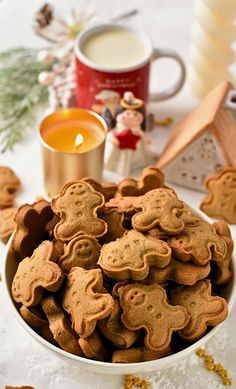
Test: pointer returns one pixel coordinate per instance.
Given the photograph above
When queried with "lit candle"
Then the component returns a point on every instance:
(73, 147)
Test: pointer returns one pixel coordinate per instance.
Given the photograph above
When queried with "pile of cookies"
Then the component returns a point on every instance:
(9, 185)
(121, 273)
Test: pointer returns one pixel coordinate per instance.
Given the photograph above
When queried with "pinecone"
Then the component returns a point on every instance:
(44, 16)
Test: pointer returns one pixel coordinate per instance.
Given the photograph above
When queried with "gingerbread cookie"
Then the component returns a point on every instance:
(81, 251)
(138, 354)
(198, 243)
(113, 329)
(179, 272)
(108, 190)
(31, 227)
(60, 327)
(35, 274)
(122, 204)
(130, 256)
(85, 300)
(160, 208)
(7, 223)
(114, 220)
(9, 184)
(189, 217)
(146, 306)
(203, 308)
(152, 178)
(77, 207)
(33, 317)
(222, 273)
(221, 199)
(92, 347)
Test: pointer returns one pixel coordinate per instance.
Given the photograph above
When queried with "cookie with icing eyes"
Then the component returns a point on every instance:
(146, 307)
(9, 185)
(198, 243)
(220, 201)
(203, 308)
(131, 256)
(81, 251)
(36, 274)
(77, 206)
(85, 300)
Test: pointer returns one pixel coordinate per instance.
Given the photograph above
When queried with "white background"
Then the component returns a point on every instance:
(22, 360)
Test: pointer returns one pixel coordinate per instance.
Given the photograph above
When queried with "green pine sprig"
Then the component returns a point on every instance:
(20, 94)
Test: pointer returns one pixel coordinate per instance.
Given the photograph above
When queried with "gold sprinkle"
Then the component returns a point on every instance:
(217, 367)
(133, 381)
(227, 382)
(200, 352)
(164, 123)
(210, 366)
(209, 359)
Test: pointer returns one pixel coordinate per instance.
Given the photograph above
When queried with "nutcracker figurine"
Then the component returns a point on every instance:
(127, 140)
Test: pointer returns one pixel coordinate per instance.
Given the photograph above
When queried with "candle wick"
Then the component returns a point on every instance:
(79, 141)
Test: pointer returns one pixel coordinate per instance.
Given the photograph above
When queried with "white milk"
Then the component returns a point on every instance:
(114, 48)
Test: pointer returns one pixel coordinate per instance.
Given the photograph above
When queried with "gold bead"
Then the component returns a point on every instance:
(227, 381)
(200, 352)
(223, 373)
(209, 359)
(210, 366)
(219, 367)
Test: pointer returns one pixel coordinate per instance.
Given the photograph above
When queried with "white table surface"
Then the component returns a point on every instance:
(22, 360)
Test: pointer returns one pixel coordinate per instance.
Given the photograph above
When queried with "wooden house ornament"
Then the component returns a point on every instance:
(204, 142)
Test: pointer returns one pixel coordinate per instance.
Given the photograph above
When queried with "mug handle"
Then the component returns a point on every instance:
(175, 88)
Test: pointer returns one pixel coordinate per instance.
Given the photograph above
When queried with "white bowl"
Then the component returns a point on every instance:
(10, 266)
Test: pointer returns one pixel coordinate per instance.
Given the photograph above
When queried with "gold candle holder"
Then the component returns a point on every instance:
(65, 160)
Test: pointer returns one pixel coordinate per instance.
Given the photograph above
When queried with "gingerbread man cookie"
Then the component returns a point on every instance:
(138, 354)
(146, 306)
(114, 220)
(93, 347)
(160, 208)
(114, 330)
(60, 326)
(35, 274)
(130, 256)
(203, 308)
(198, 243)
(31, 227)
(108, 190)
(85, 300)
(179, 272)
(152, 178)
(7, 223)
(221, 199)
(9, 184)
(81, 251)
(77, 207)
(221, 269)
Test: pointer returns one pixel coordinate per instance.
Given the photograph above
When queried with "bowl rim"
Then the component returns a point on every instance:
(116, 368)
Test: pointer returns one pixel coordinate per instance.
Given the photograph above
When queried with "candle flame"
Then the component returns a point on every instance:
(79, 140)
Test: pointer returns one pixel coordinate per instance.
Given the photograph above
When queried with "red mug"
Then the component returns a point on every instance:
(102, 82)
